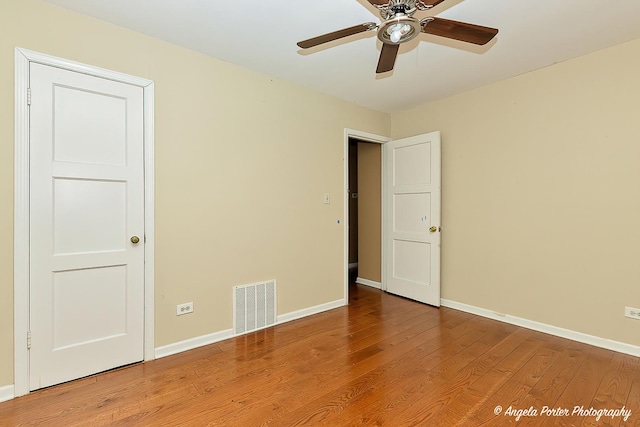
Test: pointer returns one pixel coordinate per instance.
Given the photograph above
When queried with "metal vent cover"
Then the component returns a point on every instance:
(254, 306)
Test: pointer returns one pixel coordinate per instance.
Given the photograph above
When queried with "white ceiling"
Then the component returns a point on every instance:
(262, 36)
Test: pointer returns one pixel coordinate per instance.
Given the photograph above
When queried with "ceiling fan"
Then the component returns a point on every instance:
(399, 26)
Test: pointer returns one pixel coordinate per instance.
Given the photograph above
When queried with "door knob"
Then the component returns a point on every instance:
(135, 239)
(433, 229)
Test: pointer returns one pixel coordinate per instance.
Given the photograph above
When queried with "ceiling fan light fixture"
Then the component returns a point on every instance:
(399, 29)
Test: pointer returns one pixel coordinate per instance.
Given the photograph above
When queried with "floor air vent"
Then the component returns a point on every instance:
(254, 306)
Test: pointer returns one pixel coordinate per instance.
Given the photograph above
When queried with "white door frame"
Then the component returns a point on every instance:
(21, 248)
(377, 139)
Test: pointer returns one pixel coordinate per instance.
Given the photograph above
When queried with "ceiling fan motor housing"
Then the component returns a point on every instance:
(406, 7)
(400, 9)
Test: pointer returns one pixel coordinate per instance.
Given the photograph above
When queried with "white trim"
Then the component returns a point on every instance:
(203, 340)
(345, 227)
(365, 136)
(353, 265)
(21, 202)
(78, 67)
(21, 226)
(149, 222)
(190, 344)
(368, 282)
(608, 344)
(368, 137)
(383, 217)
(299, 314)
(6, 393)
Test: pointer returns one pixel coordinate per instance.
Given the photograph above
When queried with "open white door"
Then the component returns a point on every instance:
(412, 218)
(86, 225)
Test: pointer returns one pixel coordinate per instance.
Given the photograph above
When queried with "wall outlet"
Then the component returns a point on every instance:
(184, 308)
(326, 199)
(631, 312)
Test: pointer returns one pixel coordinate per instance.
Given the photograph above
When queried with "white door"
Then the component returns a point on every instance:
(86, 204)
(412, 217)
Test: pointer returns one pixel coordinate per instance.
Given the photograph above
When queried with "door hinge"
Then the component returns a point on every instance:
(28, 96)
(28, 340)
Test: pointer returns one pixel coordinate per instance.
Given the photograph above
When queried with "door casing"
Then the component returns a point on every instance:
(21, 247)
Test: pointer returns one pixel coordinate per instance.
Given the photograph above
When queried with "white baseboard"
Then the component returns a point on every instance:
(299, 314)
(190, 344)
(368, 282)
(618, 346)
(353, 265)
(6, 393)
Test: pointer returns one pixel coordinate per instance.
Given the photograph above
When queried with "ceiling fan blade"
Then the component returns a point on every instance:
(432, 3)
(329, 37)
(387, 57)
(462, 31)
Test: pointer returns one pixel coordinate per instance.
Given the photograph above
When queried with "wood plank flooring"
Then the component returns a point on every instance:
(381, 361)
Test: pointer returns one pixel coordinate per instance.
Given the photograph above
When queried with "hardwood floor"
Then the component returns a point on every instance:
(381, 361)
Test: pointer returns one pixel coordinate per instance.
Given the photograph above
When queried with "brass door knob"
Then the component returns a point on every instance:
(433, 229)
(135, 239)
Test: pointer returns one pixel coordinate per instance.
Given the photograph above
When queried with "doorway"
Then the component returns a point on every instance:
(363, 209)
(365, 213)
(410, 232)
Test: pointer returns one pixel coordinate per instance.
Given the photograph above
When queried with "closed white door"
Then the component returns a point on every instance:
(86, 206)
(412, 218)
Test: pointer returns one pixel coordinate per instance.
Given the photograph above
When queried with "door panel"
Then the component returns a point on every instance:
(103, 137)
(84, 294)
(87, 200)
(88, 215)
(412, 246)
(414, 161)
(404, 206)
(409, 264)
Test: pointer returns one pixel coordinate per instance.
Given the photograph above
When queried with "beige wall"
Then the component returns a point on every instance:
(541, 193)
(242, 162)
(369, 210)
